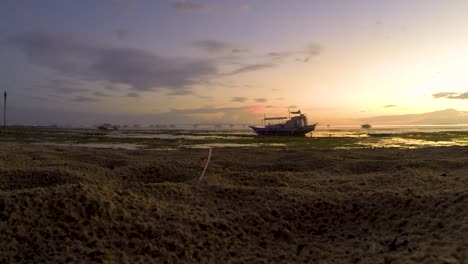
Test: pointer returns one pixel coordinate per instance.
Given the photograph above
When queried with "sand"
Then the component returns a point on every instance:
(65, 204)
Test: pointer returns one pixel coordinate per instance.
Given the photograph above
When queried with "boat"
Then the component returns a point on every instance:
(107, 127)
(293, 126)
(366, 125)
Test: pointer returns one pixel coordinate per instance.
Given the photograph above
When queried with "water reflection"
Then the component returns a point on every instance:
(174, 136)
(235, 145)
(411, 143)
(127, 146)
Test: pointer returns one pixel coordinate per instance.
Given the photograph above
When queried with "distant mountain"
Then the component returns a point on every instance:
(442, 117)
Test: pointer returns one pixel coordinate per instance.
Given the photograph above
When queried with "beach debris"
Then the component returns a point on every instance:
(206, 165)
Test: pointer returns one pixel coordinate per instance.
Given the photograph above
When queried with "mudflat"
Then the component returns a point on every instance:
(254, 205)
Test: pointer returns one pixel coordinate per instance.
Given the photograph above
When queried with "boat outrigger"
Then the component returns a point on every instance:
(295, 126)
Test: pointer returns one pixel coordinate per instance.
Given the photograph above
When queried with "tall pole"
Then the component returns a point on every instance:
(4, 110)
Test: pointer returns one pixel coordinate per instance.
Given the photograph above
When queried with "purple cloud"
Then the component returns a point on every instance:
(139, 69)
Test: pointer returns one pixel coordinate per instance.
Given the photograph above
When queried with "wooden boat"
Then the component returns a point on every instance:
(294, 126)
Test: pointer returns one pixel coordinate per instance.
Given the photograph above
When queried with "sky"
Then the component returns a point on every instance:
(233, 61)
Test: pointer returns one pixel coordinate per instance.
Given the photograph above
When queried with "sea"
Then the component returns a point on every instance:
(399, 136)
(177, 136)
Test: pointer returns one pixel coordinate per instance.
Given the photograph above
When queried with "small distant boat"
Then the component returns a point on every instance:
(366, 125)
(107, 127)
(295, 126)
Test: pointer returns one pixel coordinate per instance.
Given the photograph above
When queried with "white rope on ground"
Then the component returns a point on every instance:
(206, 165)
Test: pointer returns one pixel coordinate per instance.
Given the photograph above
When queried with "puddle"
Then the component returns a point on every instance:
(163, 149)
(234, 145)
(410, 143)
(126, 146)
(173, 136)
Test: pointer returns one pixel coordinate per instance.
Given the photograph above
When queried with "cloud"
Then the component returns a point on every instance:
(83, 99)
(239, 99)
(217, 47)
(212, 46)
(64, 86)
(229, 115)
(205, 97)
(451, 95)
(460, 96)
(100, 94)
(311, 50)
(180, 92)
(389, 106)
(190, 6)
(260, 100)
(115, 87)
(227, 84)
(279, 56)
(238, 50)
(137, 68)
(145, 71)
(443, 94)
(210, 115)
(280, 98)
(205, 110)
(251, 67)
(133, 94)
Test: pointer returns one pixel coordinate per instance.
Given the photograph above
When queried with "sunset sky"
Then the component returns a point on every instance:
(189, 61)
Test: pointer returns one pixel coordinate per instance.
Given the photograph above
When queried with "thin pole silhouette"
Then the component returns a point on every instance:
(4, 110)
(206, 165)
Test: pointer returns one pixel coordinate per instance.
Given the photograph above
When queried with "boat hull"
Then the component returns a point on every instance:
(278, 131)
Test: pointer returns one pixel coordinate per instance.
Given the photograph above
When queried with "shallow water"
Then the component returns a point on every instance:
(172, 136)
(235, 145)
(323, 137)
(411, 143)
(389, 136)
(126, 146)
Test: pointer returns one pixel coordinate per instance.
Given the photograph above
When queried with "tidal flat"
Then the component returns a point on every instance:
(178, 139)
(315, 203)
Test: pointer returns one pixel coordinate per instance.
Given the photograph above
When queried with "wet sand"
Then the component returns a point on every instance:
(64, 204)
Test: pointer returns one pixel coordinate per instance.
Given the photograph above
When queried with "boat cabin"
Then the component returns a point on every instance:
(294, 122)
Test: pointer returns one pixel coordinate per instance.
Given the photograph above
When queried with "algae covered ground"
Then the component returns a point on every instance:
(254, 205)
